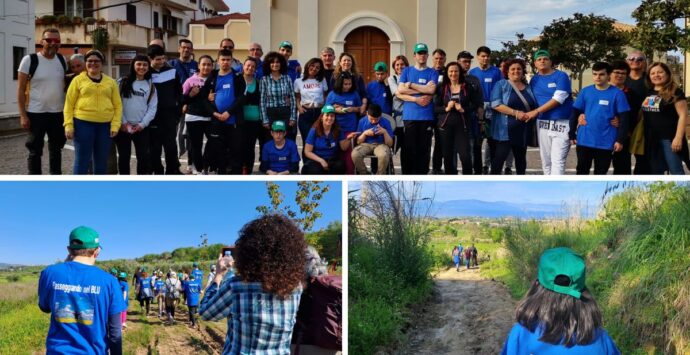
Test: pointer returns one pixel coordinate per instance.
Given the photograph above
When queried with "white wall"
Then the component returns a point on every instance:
(15, 31)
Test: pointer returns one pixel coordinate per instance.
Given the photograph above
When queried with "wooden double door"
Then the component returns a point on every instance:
(368, 45)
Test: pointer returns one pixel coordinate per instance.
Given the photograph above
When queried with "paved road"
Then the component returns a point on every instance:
(14, 155)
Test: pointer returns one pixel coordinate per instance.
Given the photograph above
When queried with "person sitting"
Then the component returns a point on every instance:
(376, 137)
(323, 144)
(279, 156)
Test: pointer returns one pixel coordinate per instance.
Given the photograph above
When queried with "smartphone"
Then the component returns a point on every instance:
(227, 251)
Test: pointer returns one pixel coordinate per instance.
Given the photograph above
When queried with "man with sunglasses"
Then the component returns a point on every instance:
(41, 106)
(638, 87)
(229, 44)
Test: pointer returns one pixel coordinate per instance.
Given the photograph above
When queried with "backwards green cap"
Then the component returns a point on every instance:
(278, 126)
(562, 261)
(380, 66)
(541, 53)
(83, 237)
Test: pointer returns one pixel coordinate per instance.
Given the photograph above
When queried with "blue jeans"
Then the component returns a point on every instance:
(91, 140)
(672, 161)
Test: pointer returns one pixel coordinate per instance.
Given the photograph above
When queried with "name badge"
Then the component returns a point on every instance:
(226, 86)
(349, 103)
(604, 102)
(384, 94)
(282, 158)
(488, 80)
(552, 85)
(422, 81)
(332, 144)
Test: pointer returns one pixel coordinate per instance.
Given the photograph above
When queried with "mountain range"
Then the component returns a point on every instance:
(498, 209)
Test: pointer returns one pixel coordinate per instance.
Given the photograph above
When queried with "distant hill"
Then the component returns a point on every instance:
(498, 209)
(4, 266)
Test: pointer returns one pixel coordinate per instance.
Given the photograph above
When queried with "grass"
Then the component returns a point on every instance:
(22, 324)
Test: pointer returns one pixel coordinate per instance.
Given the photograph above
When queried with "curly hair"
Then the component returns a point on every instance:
(270, 58)
(271, 250)
(509, 62)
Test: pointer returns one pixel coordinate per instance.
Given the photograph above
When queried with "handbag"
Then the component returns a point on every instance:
(533, 138)
(637, 138)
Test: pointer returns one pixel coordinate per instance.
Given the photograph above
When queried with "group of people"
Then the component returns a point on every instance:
(218, 109)
(469, 254)
(274, 274)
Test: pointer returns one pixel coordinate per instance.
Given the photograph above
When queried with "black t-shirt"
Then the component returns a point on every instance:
(638, 92)
(660, 116)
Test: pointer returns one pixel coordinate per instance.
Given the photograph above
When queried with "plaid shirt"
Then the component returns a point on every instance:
(258, 322)
(277, 93)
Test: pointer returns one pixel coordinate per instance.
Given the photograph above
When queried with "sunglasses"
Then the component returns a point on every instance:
(52, 40)
(229, 47)
(636, 59)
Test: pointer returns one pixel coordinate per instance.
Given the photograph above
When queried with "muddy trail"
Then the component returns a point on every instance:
(153, 335)
(466, 315)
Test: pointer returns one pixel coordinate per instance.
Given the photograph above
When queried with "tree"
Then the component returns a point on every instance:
(522, 48)
(578, 42)
(307, 198)
(328, 241)
(657, 29)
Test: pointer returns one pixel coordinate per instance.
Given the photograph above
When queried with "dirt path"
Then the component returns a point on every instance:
(468, 315)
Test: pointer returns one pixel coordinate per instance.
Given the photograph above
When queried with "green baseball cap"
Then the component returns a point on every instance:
(83, 237)
(562, 261)
(328, 109)
(113, 271)
(278, 126)
(542, 53)
(380, 66)
(285, 44)
(123, 275)
(420, 47)
(195, 264)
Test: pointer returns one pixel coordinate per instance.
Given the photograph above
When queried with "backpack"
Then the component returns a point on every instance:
(320, 317)
(171, 290)
(33, 65)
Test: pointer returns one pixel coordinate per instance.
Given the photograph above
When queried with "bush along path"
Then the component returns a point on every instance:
(466, 315)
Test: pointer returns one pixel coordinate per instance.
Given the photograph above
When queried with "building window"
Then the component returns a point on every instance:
(71, 8)
(131, 14)
(17, 54)
(155, 20)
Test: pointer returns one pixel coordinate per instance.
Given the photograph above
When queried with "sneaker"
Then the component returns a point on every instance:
(508, 171)
(190, 170)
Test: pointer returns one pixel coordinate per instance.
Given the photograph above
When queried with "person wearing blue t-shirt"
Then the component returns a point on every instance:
(228, 44)
(417, 87)
(294, 67)
(192, 290)
(279, 156)
(323, 145)
(256, 52)
(488, 76)
(159, 291)
(84, 301)
(596, 136)
(347, 103)
(124, 286)
(378, 91)
(185, 67)
(144, 292)
(552, 89)
(376, 138)
(558, 314)
(224, 145)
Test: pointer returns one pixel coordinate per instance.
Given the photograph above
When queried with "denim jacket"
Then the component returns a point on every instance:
(500, 96)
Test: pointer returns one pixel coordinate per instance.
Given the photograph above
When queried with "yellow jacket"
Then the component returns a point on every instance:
(93, 102)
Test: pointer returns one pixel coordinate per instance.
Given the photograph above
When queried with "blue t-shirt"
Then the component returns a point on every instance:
(279, 160)
(600, 107)
(411, 110)
(225, 94)
(346, 121)
(184, 70)
(198, 274)
(259, 70)
(364, 125)
(124, 286)
(487, 78)
(544, 86)
(159, 286)
(377, 93)
(325, 147)
(192, 289)
(292, 69)
(523, 342)
(80, 299)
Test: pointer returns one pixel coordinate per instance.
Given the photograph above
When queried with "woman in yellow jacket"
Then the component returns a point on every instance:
(93, 114)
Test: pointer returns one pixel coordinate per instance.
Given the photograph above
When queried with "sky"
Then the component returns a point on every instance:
(133, 218)
(505, 18)
(549, 192)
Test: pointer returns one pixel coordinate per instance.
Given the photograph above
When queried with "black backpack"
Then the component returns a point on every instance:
(34, 63)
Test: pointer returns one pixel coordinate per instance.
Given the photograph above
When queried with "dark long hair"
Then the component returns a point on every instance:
(271, 250)
(127, 81)
(319, 75)
(270, 58)
(320, 131)
(565, 320)
(446, 79)
(338, 85)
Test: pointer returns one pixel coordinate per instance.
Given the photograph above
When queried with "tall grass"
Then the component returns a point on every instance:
(638, 259)
(23, 327)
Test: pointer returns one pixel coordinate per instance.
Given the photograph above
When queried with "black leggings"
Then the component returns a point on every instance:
(336, 167)
(192, 314)
(123, 142)
(501, 151)
(456, 139)
(196, 130)
(146, 301)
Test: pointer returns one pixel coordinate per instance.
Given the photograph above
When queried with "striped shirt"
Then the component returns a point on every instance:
(258, 322)
(277, 93)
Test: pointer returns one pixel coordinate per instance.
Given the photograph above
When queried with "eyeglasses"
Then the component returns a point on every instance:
(254, 49)
(619, 72)
(52, 40)
(93, 61)
(635, 59)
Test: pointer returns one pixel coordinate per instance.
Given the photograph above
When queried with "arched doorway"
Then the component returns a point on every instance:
(368, 45)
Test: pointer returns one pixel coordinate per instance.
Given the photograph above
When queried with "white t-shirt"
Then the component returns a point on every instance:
(47, 92)
(311, 91)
